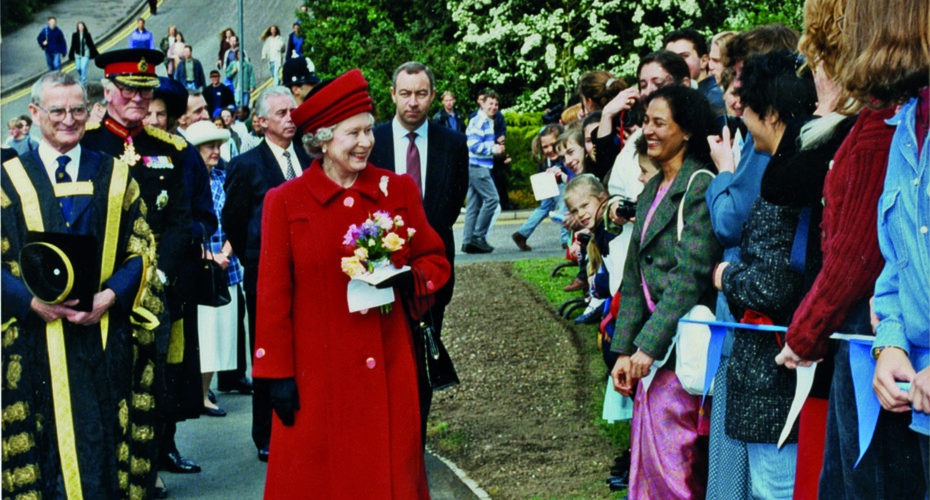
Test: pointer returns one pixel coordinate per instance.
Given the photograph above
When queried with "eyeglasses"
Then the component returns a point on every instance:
(58, 113)
(130, 92)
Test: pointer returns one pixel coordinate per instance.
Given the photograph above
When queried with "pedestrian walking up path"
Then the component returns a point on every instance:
(23, 60)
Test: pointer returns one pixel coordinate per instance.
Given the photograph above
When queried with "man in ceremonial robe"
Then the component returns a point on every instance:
(170, 174)
(78, 413)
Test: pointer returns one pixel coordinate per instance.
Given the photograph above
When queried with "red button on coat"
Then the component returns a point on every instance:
(260, 353)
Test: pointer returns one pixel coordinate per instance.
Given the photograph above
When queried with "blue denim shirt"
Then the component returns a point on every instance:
(902, 291)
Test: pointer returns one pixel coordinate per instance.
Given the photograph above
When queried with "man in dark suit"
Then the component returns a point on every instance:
(402, 146)
(250, 175)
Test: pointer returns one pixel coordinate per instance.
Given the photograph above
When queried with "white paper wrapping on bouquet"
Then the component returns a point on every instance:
(362, 293)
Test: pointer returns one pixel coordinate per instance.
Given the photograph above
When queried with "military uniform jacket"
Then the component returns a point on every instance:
(100, 421)
(156, 161)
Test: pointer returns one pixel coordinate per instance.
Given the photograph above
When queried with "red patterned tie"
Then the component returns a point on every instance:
(413, 161)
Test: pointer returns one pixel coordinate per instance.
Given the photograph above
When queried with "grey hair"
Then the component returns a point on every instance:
(412, 68)
(54, 79)
(261, 106)
(314, 142)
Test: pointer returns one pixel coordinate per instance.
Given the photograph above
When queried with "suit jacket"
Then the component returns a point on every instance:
(248, 177)
(678, 273)
(446, 183)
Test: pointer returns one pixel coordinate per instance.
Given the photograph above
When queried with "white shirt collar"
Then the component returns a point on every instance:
(49, 157)
(278, 153)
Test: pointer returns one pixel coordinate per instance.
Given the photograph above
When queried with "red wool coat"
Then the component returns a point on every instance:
(357, 433)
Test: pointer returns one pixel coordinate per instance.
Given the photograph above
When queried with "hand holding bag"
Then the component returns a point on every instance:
(439, 368)
(212, 288)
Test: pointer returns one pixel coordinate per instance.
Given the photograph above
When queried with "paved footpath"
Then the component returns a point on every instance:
(223, 446)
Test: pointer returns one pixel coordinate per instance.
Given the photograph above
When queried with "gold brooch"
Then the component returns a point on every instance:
(129, 156)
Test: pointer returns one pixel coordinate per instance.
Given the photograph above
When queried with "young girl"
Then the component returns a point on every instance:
(548, 160)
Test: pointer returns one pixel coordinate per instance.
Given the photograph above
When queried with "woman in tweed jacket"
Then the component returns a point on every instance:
(766, 283)
(664, 278)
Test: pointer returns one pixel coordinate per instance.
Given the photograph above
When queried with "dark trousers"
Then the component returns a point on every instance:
(261, 400)
(500, 174)
(891, 468)
(424, 387)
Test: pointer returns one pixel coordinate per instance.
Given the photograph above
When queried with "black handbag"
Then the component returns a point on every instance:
(212, 289)
(439, 368)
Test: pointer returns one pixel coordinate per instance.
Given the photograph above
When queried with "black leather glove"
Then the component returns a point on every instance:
(284, 398)
(402, 281)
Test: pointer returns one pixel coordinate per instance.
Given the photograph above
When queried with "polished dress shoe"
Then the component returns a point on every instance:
(242, 386)
(211, 396)
(263, 453)
(520, 240)
(174, 462)
(578, 284)
(479, 245)
(213, 412)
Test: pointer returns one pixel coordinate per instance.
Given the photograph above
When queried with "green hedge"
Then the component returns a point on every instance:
(521, 130)
(15, 13)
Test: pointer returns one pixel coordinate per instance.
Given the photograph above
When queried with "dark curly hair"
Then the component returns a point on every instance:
(672, 63)
(694, 116)
(769, 83)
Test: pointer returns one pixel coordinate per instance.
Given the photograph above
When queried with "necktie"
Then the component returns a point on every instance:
(61, 176)
(413, 161)
(289, 174)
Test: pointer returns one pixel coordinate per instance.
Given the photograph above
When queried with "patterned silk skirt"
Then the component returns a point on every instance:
(669, 459)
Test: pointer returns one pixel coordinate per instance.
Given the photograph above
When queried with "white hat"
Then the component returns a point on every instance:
(205, 131)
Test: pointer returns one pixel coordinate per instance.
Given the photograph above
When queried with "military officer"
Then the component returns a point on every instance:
(176, 193)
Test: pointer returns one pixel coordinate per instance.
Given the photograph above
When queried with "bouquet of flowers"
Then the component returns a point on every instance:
(378, 242)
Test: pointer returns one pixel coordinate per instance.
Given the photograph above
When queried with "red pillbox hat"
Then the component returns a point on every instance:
(333, 102)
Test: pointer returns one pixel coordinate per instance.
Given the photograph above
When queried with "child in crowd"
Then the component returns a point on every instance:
(571, 150)
(544, 152)
(648, 167)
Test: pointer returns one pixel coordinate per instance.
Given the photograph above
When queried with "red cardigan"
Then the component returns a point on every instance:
(851, 257)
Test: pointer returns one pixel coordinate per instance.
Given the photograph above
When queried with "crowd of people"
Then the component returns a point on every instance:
(765, 177)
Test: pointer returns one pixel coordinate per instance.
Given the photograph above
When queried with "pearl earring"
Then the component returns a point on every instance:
(324, 151)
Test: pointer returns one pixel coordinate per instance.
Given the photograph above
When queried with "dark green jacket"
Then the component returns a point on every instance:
(678, 273)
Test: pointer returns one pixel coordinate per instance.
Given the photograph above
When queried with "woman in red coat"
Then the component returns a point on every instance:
(343, 385)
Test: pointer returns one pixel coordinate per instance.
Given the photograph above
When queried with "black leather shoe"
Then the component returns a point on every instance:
(617, 483)
(211, 396)
(213, 412)
(243, 386)
(174, 462)
(477, 247)
(263, 453)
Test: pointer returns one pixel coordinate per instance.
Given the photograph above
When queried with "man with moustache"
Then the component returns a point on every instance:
(174, 187)
(249, 176)
(437, 159)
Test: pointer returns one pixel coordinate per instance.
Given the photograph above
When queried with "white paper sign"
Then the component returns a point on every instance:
(544, 186)
(362, 294)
